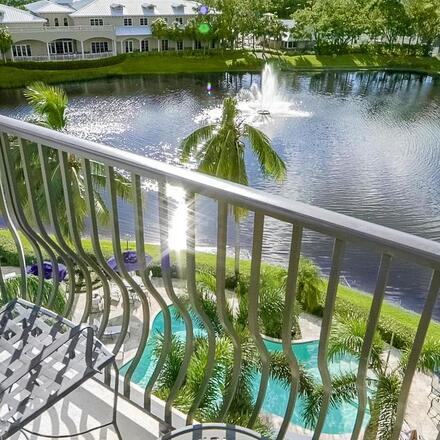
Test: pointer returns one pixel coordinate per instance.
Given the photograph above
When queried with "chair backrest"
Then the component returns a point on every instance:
(43, 357)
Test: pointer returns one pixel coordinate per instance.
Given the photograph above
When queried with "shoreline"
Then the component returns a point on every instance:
(19, 75)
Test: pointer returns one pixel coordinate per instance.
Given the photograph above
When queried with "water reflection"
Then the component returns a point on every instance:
(370, 149)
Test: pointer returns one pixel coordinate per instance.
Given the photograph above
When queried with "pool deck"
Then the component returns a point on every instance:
(418, 402)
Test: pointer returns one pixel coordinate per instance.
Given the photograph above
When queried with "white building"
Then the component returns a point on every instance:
(289, 41)
(78, 29)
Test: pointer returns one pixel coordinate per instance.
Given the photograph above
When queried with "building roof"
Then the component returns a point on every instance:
(149, 8)
(8, 14)
(48, 7)
(133, 31)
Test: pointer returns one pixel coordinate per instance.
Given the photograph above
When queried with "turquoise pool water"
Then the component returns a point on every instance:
(339, 420)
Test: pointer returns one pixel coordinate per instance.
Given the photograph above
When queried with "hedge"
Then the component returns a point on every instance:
(67, 65)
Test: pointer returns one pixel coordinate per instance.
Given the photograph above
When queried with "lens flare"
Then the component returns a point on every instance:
(209, 88)
(203, 10)
(204, 28)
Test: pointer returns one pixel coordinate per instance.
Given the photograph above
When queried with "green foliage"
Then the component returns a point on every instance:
(5, 41)
(383, 408)
(425, 21)
(390, 329)
(12, 286)
(68, 65)
(388, 19)
(347, 336)
(49, 102)
(310, 287)
(219, 149)
(331, 23)
(50, 106)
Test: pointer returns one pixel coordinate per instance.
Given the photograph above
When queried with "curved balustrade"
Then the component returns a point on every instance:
(38, 149)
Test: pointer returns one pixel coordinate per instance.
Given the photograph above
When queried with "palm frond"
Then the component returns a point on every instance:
(191, 143)
(271, 164)
(49, 102)
(429, 359)
(12, 291)
(348, 335)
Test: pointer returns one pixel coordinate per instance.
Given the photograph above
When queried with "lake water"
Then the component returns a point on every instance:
(362, 144)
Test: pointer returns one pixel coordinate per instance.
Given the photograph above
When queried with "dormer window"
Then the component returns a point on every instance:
(149, 6)
(117, 6)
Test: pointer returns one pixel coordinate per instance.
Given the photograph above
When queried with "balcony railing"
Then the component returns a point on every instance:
(77, 28)
(65, 57)
(47, 238)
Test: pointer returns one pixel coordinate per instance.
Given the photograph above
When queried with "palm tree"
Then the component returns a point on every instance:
(219, 150)
(50, 104)
(242, 404)
(5, 41)
(385, 379)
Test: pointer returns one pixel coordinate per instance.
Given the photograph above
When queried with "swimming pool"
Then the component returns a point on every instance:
(339, 420)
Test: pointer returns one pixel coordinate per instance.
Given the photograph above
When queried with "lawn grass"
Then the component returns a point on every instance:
(428, 65)
(236, 61)
(359, 301)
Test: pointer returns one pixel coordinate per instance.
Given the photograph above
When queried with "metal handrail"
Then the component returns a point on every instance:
(318, 219)
(53, 148)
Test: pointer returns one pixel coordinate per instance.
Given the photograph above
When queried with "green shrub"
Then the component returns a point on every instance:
(68, 65)
(13, 291)
(390, 329)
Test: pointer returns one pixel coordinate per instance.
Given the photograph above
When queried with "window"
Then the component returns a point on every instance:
(99, 46)
(143, 21)
(144, 46)
(197, 44)
(164, 44)
(96, 22)
(22, 50)
(128, 22)
(66, 22)
(179, 45)
(128, 46)
(56, 22)
(61, 47)
(179, 20)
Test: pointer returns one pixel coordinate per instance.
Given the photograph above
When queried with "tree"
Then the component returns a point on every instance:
(332, 24)
(219, 150)
(159, 29)
(49, 104)
(285, 8)
(309, 286)
(425, 19)
(388, 18)
(347, 337)
(242, 404)
(5, 41)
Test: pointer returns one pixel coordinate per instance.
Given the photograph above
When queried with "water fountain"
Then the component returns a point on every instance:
(259, 104)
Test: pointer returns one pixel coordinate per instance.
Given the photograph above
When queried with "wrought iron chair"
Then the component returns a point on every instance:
(43, 358)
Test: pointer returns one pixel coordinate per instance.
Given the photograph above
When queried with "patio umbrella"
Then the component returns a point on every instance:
(130, 261)
(48, 270)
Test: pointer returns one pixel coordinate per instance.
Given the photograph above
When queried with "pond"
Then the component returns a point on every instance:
(366, 144)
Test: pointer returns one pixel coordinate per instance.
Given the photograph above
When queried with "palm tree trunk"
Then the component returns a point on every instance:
(237, 250)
